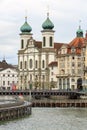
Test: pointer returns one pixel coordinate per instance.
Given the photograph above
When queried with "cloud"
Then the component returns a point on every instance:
(65, 14)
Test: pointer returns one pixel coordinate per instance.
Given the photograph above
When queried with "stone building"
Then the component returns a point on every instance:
(71, 62)
(35, 57)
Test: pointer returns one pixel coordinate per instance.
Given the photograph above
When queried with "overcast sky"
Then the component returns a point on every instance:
(65, 14)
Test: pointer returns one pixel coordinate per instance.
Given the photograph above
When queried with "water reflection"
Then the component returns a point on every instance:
(51, 119)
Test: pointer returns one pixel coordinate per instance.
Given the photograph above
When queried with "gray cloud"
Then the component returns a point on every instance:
(65, 15)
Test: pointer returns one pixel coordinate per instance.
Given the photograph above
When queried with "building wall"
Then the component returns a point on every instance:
(8, 77)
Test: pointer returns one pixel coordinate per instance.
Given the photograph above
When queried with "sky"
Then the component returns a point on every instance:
(66, 15)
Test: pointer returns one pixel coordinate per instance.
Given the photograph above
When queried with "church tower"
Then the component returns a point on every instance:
(48, 33)
(25, 34)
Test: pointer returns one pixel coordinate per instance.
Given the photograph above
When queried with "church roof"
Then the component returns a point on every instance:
(77, 42)
(47, 24)
(26, 28)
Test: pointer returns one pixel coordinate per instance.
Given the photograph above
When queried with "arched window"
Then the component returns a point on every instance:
(51, 41)
(44, 41)
(22, 44)
(30, 77)
(25, 64)
(36, 64)
(31, 63)
(43, 64)
(21, 65)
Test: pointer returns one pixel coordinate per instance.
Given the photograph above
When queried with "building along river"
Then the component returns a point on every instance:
(50, 119)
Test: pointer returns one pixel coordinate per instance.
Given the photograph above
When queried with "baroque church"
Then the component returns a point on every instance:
(37, 60)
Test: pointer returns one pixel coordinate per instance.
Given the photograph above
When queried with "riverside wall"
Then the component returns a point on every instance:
(15, 110)
(60, 103)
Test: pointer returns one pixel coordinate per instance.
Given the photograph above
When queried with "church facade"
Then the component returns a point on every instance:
(37, 62)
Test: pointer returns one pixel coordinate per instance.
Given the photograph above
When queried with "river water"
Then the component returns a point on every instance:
(50, 119)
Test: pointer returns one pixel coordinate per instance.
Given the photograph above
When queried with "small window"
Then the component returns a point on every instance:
(51, 41)
(73, 57)
(8, 83)
(22, 44)
(36, 64)
(73, 49)
(44, 41)
(3, 82)
(21, 65)
(30, 63)
(43, 64)
(25, 64)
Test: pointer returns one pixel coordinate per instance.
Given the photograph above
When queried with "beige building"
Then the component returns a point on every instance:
(71, 61)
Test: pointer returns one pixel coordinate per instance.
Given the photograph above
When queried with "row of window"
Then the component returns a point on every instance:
(7, 83)
(9, 75)
(69, 58)
(73, 71)
(73, 64)
(31, 64)
(44, 42)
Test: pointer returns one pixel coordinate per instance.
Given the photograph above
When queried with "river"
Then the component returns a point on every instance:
(50, 119)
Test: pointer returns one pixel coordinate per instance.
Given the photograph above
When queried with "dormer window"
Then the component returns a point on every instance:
(73, 49)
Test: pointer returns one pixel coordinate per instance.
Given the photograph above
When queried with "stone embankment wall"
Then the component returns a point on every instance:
(59, 103)
(14, 110)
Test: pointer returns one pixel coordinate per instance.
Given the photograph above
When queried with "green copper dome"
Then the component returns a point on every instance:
(79, 32)
(47, 24)
(26, 27)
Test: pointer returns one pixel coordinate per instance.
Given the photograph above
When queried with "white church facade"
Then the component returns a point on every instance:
(37, 63)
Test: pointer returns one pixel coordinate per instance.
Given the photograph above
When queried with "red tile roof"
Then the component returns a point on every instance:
(5, 65)
(77, 42)
(56, 45)
(53, 64)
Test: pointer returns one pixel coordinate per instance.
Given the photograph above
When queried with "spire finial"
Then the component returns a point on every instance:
(79, 24)
(48, 11)
(26, 15)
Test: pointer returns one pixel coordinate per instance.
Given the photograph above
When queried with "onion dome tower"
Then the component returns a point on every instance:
(25, 34)
(48, 24)
(79, 32)
(48, 33)
(25, 28)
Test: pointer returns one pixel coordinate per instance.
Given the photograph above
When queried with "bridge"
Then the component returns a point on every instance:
(44, 93)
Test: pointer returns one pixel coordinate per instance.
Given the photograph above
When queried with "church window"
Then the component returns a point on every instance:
(22, 44)
(43, 64)
(44, 41)
(51, 40)
(21, 65)
(30, 63)
(36, 63)
(30, 77)
(25, 64)
(3, 82)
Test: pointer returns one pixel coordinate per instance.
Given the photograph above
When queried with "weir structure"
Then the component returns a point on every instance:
(14, 109)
